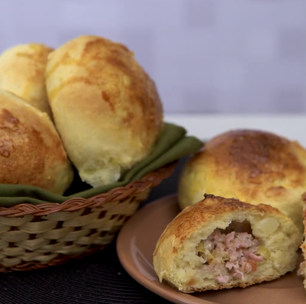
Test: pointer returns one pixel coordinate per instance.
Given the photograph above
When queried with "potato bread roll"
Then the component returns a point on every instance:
(106, 108)
(22, 72)
(224, 243)
(31, 152)
(252, 166)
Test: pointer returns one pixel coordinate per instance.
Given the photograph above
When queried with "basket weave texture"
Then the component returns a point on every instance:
(38, 236)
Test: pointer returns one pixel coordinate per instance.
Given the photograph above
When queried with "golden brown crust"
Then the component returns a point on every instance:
(22, 70)
(104, 62)
(93, 79)
(31, 152)
(253, 166)
(256, 157)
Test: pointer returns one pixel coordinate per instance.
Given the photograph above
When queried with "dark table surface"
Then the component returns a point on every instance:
(98, 278)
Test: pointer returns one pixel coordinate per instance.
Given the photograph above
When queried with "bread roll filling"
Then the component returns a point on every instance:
(231, 253)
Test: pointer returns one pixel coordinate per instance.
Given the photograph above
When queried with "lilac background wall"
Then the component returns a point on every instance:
(224, 56)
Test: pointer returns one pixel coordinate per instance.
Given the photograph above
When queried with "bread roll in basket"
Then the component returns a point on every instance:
(31, 151)
(105, 107)
(22, 70)
(109, 118)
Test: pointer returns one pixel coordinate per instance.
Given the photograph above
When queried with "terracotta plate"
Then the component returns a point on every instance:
(135, 245)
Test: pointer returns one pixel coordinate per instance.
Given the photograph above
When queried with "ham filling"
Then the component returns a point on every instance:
(229, 254)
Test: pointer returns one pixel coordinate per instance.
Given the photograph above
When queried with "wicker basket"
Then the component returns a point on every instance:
(35, 237)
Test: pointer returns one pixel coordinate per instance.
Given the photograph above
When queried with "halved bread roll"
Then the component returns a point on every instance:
(250, 165)
(31, 152)
(302, 268)
(22, 72)
(223, 243)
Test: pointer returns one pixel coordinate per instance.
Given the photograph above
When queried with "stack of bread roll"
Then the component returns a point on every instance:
(249, 226)
(87, 104)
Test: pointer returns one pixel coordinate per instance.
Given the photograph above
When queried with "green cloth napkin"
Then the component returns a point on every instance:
(172, 145)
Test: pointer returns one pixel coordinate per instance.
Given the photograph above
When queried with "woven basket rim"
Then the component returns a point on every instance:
(76, 203)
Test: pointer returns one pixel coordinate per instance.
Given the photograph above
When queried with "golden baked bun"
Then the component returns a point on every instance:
(253, 166)
(222, 243)
(105, 107)
(22, 72)
(302, 268)
(31, 152)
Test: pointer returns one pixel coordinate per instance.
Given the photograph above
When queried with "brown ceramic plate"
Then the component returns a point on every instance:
(135, 245)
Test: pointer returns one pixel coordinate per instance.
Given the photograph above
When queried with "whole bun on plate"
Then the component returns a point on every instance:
(224, 243)
(22, 72)
(105, 107)
(31, 152)
(250, 165)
